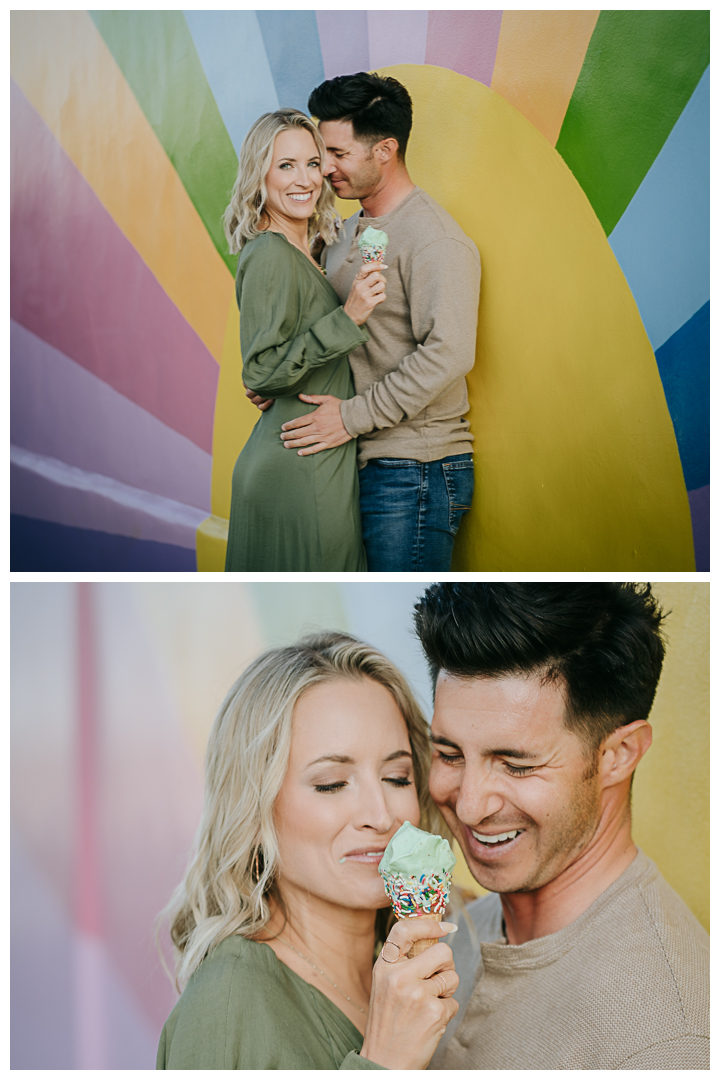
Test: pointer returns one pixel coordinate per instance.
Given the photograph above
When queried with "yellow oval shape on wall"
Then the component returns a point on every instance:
(577, 466)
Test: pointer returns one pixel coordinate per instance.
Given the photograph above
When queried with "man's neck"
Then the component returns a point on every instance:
(543, 911)
(393, 189)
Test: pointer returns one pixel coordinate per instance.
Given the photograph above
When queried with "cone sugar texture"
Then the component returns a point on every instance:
(416, 870)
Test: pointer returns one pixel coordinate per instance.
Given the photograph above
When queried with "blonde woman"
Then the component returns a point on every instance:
(318, 754)
(290, 511)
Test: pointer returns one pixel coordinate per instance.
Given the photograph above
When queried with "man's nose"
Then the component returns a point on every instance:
(478, 797)
(329, 166)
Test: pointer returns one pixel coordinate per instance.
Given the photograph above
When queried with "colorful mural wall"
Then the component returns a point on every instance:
(573, 146)
(114, 689)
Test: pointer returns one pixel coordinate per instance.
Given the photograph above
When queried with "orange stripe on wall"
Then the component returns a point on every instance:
(539, 57)
(68, 74)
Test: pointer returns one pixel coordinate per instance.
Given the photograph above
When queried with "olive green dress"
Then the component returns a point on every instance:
(292, 513)
(244, 1009)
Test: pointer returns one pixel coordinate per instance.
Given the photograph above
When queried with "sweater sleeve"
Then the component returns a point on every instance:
(685, 1052)
(272, 292)
(443, 291)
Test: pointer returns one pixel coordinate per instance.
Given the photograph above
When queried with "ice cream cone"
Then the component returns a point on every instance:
(416, 870)
(373, 245)
(424, 943)
(373, 255)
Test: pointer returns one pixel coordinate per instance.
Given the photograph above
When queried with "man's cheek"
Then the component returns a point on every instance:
(442, 787)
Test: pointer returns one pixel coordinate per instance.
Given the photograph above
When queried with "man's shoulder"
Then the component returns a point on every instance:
(432, 222)
(653, 944)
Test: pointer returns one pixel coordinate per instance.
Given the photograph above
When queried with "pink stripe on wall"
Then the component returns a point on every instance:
(87, 885)
(77, 283)
(464, 41)
(397, 37)
(343, 41)
(61, 410)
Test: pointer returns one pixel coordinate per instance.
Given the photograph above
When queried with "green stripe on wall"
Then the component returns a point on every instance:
(639, 72)
(157, 56)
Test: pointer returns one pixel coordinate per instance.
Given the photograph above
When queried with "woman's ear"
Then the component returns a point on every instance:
(622, 751)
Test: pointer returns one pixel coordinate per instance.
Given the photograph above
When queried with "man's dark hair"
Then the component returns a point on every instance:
(601, 643)
(378, 108)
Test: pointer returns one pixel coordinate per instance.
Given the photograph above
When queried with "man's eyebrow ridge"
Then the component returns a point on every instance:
(440, 740)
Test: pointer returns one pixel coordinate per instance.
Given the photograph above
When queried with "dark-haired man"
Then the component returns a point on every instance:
(582, 956)
(414, 444)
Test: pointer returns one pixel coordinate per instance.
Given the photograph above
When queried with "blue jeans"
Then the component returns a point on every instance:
(411, 511)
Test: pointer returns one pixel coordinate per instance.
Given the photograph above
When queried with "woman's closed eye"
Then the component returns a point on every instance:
(337, 785)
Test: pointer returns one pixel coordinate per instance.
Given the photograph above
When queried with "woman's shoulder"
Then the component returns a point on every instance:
(236, 984)
(236, 958)
(265, 245)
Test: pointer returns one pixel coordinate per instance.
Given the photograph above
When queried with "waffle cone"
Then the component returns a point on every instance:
(425, 943)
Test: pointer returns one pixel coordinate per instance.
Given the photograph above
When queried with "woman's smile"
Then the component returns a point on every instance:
(369, 855)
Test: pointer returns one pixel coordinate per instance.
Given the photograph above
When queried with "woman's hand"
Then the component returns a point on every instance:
(410, 1002)
(368, 290)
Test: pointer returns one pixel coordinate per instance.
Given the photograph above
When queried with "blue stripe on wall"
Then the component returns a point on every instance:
(662, 241)
(47, 546)
(293, 49)
(232, 53)
(684, 366)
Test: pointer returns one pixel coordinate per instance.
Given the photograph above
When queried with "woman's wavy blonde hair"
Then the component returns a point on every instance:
(244, 215)
(234, 867)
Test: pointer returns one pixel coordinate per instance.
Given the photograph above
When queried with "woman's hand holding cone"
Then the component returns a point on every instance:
(411, 1001)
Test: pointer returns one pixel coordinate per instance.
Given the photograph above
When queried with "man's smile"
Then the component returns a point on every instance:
(483, 844)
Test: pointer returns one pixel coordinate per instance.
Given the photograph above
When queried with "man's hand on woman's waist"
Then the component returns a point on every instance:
(318, 430)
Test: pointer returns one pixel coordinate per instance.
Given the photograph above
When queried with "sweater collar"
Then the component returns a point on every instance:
(501, 957)
(363, 220)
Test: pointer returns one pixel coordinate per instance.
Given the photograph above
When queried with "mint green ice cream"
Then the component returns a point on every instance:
(373, 238)
(412, 853)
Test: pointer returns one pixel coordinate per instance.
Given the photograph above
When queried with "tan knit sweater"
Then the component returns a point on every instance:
(625, 986)
(411, 398)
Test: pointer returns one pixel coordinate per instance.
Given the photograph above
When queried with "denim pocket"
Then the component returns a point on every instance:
(460, 483)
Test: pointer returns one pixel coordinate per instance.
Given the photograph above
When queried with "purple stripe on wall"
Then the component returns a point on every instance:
(700, 511)
(464, 41)
(78, 284)
(35, 493)
(397, 37)
(64, 411)
(343, 41)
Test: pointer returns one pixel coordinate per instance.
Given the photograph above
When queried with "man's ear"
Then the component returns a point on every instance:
(385, 149)
(621, 752)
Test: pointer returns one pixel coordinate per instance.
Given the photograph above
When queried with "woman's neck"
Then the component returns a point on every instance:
(339, 941)
(294, 231)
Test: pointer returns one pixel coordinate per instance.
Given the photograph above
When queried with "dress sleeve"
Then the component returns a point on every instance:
(272, 293)
(354, 1061)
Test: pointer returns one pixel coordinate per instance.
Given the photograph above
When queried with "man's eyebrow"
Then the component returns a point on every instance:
(521, 755)
(440, 740)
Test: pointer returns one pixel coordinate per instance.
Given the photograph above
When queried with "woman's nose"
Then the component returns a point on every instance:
(374, 811)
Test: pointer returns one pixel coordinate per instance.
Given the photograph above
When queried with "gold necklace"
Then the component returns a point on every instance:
(326, 977)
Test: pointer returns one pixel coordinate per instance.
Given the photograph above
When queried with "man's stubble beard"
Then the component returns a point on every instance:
(561, 846)
(568, 839)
